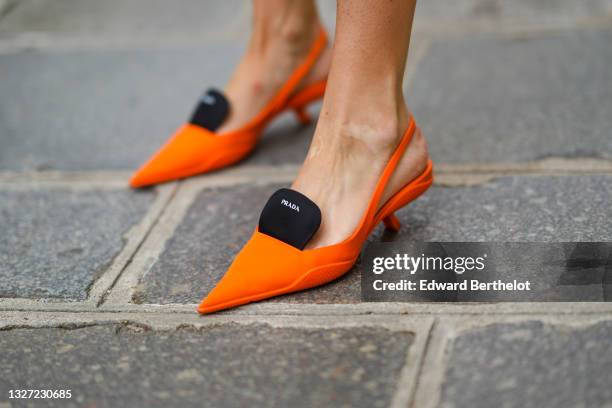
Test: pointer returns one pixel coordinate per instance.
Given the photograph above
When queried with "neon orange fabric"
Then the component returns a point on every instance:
(193, 149)
(267, 267)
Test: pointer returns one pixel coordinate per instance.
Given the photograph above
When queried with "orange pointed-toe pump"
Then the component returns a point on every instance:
(195, 147)
(274, 261)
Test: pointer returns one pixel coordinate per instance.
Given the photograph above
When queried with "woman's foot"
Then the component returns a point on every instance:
(275, 50)
(348, 155)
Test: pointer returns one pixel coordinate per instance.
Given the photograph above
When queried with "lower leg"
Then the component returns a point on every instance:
(282, 34)
(363, 117)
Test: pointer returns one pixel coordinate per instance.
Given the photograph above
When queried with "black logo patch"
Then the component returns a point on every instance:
(290, 217)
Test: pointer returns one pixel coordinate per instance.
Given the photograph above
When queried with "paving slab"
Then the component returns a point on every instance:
(124, 19)
(158, 19)
(439, 14)
(98, 110)
(545, 209)
(55, 243)
(484, 99)
(5, 6)
(530, 364)
(218, 366)
(517, 209)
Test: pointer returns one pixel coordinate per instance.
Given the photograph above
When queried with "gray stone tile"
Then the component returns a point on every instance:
(482, 99)
(99, 110)
(521, 12)
(529, 364)
(559, 209)
(125, 19)
(56, 243)
(5, 6)
(221, 366)
(113, 109)
(519, 209)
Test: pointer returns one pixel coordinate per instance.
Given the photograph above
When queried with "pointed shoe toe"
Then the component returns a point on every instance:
(190, 151)
(255, 274)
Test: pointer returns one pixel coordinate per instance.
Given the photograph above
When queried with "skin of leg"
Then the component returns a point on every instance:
(282, 34)
(363, 117)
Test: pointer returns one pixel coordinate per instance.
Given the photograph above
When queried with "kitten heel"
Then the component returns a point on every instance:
(392, 223)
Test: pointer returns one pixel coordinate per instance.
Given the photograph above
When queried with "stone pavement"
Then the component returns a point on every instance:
(98, 284)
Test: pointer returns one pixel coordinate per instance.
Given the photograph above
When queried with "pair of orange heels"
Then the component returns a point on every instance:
(274, 261)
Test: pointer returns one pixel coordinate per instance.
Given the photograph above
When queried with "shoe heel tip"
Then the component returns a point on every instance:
(303, 116)
(392, 223)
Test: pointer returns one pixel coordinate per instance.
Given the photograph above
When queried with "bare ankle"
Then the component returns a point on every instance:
(293, 28)
(374, 130)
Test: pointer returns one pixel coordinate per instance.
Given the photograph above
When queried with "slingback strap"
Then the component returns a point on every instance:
(211, 111)
(386, 175)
